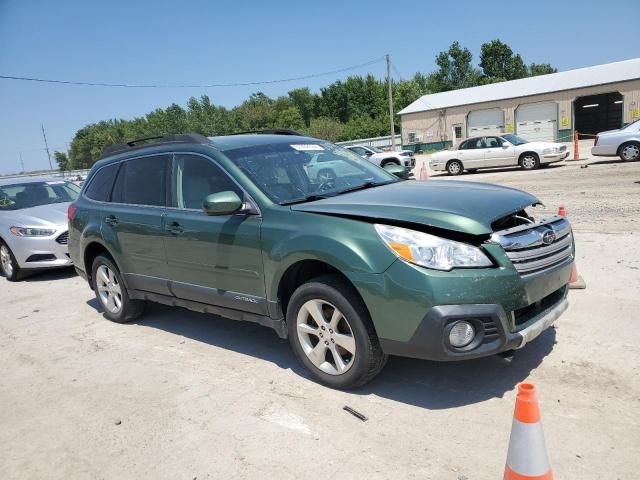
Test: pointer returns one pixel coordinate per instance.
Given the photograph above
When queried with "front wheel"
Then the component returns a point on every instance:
(330, 332)
(454, 167)
(8, 264)
(111, 292)
(630, 151)
(529, 161)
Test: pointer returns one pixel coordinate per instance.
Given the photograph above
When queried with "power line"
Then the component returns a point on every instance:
(210, 85)
(396, 71)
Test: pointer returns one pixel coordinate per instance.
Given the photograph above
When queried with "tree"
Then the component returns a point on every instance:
(536, 69)
(305, 102)
(455, 69)
(499, 63)
(61, 160)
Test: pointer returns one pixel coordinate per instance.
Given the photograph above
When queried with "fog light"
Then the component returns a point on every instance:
(461, 334)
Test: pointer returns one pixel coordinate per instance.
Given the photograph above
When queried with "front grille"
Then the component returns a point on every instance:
(536, 247)
(41, 257)
(63, 239)
(491, 332)
(523, 315)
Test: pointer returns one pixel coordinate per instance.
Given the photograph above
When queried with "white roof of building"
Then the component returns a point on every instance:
(553, 82)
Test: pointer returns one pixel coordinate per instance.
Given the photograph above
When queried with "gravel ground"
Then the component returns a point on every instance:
(184, 395)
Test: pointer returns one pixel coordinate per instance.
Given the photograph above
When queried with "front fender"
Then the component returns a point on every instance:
(345, 244)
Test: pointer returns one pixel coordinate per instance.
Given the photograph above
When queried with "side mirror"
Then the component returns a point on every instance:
(222, 203)
(368, 153)
(398, 170)
(506, 144)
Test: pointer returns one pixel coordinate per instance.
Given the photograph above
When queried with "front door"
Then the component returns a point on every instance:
(212, 259)
(498, 153)
(472, 153)
(133, 224)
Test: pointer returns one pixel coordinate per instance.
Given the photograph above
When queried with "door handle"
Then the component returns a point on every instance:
(111, 220)
(175, 228)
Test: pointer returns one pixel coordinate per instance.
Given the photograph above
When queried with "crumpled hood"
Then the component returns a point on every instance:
(466, 207)
(54, 214)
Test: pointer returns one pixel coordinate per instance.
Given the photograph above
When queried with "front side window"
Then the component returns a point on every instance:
(142, 181)
(102, 183)
(493, 142)
(472, 144)
(195, 178)
(35, 194)
(289, 173)
(358, 150)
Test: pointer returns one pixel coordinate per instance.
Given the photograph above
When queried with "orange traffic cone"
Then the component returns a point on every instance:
(576, 282)
(424, 174)
(527, 456)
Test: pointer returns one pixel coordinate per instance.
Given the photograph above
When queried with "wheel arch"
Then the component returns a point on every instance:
(533, 152)
(623, 144)
(94, 248)
(388, 160)
(446, 165)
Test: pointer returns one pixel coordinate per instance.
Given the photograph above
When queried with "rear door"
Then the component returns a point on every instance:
(212, 259)
(133, 223)
(472, 153)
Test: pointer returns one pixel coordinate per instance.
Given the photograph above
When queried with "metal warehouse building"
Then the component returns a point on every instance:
(548, 107)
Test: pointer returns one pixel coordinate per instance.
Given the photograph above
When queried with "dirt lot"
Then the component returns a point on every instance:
(184, 395)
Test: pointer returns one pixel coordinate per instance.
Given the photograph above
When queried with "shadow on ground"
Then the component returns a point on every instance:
(485, 171)
(50, 275)
(432, 385)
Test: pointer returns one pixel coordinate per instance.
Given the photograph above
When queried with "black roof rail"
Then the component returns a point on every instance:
(153, 140)
(270, 131)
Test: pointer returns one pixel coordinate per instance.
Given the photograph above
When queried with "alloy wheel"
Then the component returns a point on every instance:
(454, 168)
(529, 162)
(326, 337)
(5, 260)
(109, 289)
(631, 152)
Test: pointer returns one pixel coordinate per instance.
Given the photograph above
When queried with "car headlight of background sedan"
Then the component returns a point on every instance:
(32, 231)
(547, 151)
(431, 251)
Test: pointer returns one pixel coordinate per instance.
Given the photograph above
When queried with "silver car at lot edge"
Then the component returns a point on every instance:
(623, 143)
(33, 224)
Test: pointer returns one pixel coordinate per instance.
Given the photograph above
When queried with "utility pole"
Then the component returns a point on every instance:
(46, 147)
(390, 95)
(21, 162)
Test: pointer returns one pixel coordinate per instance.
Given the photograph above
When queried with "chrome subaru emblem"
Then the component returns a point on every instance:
(548, 237)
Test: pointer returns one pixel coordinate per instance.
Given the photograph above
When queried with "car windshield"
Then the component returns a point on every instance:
(514, 139)
(632, 125)
(294, 172)
(33, 194)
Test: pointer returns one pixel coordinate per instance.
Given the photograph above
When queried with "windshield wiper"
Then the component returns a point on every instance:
(308, 198)
(364, 186)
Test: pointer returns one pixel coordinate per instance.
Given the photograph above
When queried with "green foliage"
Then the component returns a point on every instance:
(356, 107)
(61, 160)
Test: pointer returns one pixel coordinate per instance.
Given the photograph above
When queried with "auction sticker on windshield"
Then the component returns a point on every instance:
(307, 147)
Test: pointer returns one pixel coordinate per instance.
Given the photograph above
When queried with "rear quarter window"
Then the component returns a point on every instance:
(102, 183)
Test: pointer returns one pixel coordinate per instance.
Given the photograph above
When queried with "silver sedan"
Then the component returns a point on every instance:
(33, 224)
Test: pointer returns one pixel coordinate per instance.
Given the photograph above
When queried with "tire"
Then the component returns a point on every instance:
(389, 162)
(454, 167)
(529, 161)
(8, 264)
(629, 151)
(318, 346)
(111, 292)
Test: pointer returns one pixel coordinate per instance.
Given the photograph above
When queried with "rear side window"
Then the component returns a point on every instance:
(102, 183)
(142, 181)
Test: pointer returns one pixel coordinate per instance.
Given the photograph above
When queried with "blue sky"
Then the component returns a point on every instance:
(194, 41)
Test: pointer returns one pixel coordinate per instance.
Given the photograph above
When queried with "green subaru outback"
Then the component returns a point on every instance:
(351, 266)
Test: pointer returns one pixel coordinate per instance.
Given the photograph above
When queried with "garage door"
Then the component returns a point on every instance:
(485, 122)
(537, 122)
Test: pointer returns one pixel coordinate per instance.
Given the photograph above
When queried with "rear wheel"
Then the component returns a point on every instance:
(630, 151)
(454, 167)
(529, 161)
(8, 264)
(330, 332)
(111, 292)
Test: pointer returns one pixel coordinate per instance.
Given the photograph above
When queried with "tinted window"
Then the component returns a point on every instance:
(142, 181)
(472, 144)
(102, 183)
(195, 178)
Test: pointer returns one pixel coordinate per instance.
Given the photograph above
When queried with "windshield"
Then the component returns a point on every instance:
(514, 139)
(632, 125)
(34, 194)
(290, 173)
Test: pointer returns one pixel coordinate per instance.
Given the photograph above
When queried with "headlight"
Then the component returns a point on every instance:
(431, 251)
(32, 231)
(546, 151)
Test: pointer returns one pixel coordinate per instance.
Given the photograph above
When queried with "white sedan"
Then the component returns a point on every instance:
(497, 151)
